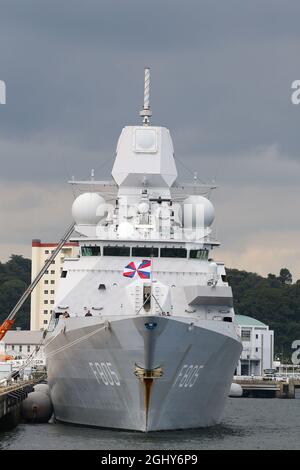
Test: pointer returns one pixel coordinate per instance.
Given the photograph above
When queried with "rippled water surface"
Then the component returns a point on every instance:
(248, 424)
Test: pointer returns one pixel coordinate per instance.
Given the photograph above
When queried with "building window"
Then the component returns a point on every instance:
(45, 292)
(46, 252)
(64, 274)
(52, 302)
(47, 272)
(45, 322)
(28, 348)
(12, 347)
(45, 312)
(46, 281)
(52, 271)
(256, 349)
(52, 282)
(246, 335)
(256, 336)
(52, 292)
(45, 301)
(20, 348)
(53, 262)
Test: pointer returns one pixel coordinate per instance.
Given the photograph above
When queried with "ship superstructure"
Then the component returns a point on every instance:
(142, 336)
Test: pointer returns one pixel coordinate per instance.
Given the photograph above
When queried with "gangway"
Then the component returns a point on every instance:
(7, 324)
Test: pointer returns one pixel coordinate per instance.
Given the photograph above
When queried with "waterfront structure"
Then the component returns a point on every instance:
(142, 336)
(22, 343)
(42, 297)
(258, 346)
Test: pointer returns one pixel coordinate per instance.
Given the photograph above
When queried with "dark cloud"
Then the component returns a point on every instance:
(221, 78)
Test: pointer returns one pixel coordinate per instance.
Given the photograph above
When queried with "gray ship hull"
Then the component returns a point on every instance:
(145, 373)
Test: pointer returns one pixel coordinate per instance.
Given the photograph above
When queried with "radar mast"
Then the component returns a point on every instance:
(146, 113)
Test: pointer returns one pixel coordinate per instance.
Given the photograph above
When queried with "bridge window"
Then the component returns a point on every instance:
(116, 251)
(173, 252)
(199, 254)
(144, 251)
(147, 297)
(90, 251)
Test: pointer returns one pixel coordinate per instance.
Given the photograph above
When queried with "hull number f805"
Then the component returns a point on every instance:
(104, 373)
(188, 375)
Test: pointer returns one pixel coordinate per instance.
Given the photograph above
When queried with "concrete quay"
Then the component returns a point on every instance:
(268, 388)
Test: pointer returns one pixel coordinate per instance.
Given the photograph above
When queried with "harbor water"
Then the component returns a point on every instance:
(248, 424)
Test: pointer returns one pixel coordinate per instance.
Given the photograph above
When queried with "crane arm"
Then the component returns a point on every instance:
(7, 324)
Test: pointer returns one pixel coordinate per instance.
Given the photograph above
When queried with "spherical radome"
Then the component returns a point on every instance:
(198, 211)
(88, 209)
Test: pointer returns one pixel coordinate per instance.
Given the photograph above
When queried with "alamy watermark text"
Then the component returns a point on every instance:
(2, 92)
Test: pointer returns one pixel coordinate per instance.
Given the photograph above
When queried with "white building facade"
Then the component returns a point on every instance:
(258, 346)
(20, 344)
(42, 297)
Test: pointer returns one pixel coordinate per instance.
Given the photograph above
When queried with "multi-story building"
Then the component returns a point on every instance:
(258, 346)
(42, 297)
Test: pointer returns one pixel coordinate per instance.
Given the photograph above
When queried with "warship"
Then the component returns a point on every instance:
(142, 335)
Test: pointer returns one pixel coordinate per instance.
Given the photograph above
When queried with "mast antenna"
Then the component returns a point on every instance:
(146, 113)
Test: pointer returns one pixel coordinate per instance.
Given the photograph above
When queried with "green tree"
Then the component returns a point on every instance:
(15, 277)
(285, 276)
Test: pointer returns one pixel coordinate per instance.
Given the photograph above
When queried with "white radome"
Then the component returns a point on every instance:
(213, 268)
(126, 230)
(198, 211)
(88, 209)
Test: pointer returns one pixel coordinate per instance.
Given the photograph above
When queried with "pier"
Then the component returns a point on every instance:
(11, 397)
(262, 388)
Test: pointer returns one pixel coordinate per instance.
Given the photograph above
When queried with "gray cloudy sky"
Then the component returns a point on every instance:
(221, 81)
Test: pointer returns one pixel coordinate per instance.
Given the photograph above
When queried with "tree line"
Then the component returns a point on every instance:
(274, 300)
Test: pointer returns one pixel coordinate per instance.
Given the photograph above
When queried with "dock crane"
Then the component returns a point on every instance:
(7, 324)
